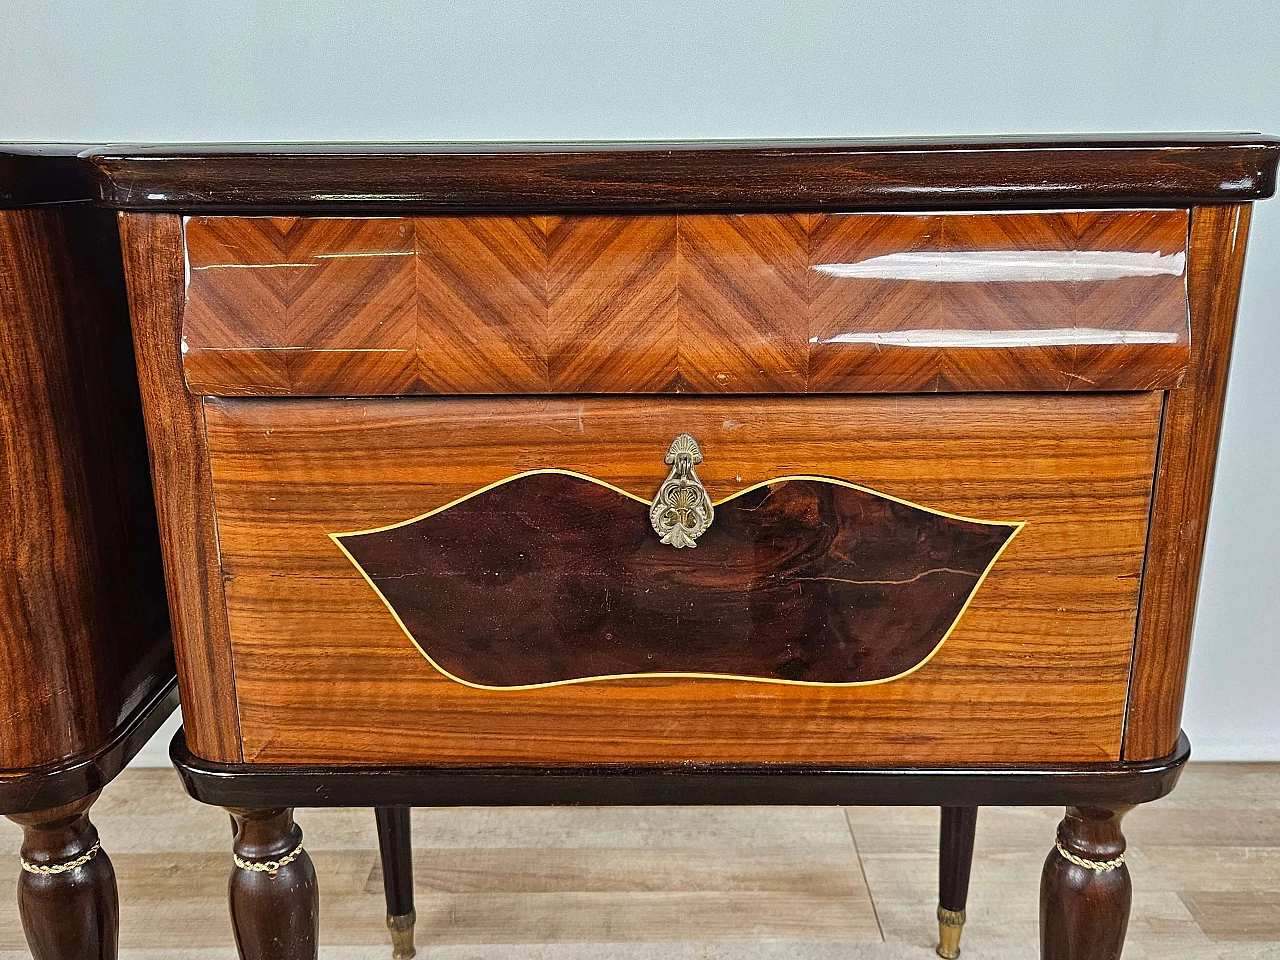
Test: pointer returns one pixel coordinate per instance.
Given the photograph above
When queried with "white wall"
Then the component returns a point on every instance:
(144, 70)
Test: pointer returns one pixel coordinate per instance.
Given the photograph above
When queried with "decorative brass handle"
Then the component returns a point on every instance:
(682, 510)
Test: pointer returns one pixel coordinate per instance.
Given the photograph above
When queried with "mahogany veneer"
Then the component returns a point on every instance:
(377, 379)
(86, 666)
(84, 647)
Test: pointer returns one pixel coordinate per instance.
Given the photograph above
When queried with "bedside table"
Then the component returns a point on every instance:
(820, 472)
(87, 666)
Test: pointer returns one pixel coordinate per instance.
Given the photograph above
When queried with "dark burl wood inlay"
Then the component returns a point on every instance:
(553, 577)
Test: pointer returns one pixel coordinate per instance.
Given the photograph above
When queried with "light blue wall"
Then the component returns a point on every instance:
(603, 69)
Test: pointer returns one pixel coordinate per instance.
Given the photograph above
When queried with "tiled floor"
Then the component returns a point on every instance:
(695, 883)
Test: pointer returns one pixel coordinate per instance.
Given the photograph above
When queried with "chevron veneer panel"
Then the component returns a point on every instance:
(612, 298)
(699, 303)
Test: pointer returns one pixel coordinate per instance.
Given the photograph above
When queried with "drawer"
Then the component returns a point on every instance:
(688, 303)
(884, 579)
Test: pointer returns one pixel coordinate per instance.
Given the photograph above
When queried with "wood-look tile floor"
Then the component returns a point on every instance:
(706, 883)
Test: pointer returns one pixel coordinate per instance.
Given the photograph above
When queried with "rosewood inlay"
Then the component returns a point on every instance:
(554, 577)
(686, 303)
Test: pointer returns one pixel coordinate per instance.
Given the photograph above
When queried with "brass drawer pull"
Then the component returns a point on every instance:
(682, 510)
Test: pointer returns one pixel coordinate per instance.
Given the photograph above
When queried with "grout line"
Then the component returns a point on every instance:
(863, 870)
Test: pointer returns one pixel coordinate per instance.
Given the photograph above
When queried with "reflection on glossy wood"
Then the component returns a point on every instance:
(1072, 301)
(1036, 670)
(551, 577)
(1184, 484)
(83, 639)
(701, 303)
(1158, 170)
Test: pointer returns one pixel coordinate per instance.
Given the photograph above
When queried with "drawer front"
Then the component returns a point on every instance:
(690, 303)
(928, 580)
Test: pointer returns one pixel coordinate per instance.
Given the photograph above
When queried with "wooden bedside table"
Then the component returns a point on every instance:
(85, 659)
(693, 473)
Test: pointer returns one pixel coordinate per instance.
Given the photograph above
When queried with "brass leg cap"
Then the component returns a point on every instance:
(401, 928)
(950, 926)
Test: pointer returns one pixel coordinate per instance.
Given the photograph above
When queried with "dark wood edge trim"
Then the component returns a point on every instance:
(814, 175)
(55, 784)
(272, 785)
(35, 174)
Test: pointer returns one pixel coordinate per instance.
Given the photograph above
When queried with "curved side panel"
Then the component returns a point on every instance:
(83, 628)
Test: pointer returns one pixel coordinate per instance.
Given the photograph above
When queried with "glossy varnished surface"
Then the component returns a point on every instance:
(83, 634)
(152, 245)
(702, 303)
(679, 883)
(682, 784)
(541, 182)
(71, 914)
(553, 578)
(39, 788)
(1084, 912)
(1184, 483)
(1037, 668)
(1157, 170)
(34, 174)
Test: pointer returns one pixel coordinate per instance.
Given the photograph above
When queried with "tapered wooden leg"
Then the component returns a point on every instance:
(1085, 890)
(67, 890)
(275, 908)
(395, 842)
(955, 859)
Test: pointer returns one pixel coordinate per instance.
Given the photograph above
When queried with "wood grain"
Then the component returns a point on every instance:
(73, 914)
(1036, 671)
(83, 633)
(1156, 170)
(492, 335)
(1184, 484)
(612, 289)
(275, 915)
(694, 303)
(879, 314)
(152, 247)
(804, 580)
(1084, 912)
(1206, 861)
(744, 303)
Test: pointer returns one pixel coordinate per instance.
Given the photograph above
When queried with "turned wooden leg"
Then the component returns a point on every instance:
(395, 842)
(274, 899)
(955, 859)
(67, 890)
(1085, 889)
